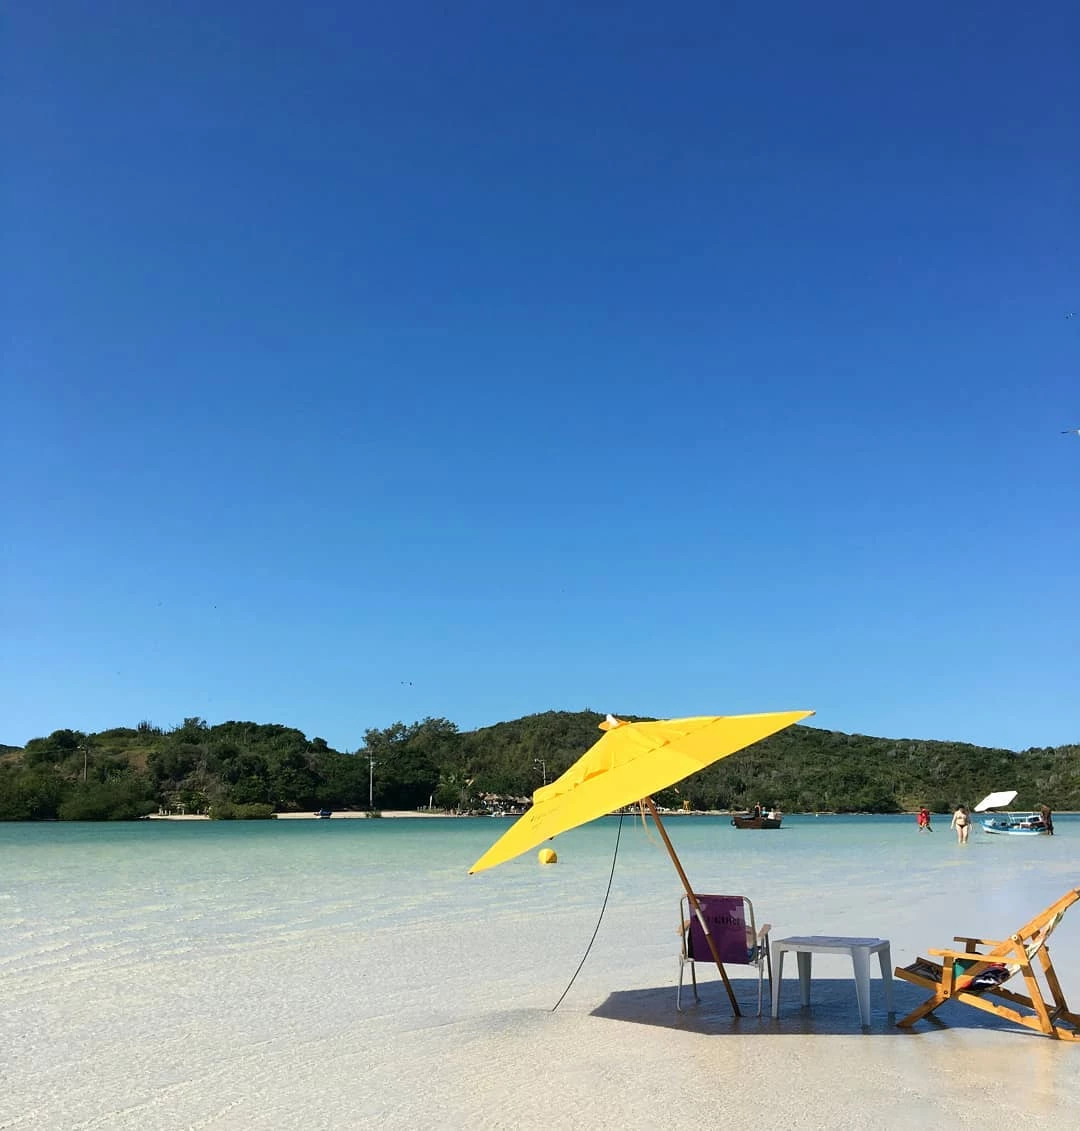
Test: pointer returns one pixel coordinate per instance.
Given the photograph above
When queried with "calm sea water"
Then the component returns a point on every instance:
(349, 973)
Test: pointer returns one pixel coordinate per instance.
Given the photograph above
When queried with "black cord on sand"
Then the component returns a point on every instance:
(614, 857)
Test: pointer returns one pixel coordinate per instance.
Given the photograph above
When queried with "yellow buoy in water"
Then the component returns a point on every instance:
(547, 856)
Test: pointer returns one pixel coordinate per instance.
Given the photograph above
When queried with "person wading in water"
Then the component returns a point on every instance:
(961, 821)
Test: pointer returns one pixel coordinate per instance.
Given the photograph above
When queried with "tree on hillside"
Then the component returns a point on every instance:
(29, 794)
(405, 757)
(233, 766)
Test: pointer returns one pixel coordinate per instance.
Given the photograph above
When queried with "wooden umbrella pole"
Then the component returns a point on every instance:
(648, 803)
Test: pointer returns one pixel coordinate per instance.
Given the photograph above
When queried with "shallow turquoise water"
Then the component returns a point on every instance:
(165, 974)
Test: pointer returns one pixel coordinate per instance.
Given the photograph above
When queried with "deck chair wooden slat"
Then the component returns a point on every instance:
(975, 976)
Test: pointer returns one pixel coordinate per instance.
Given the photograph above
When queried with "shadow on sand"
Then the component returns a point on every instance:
(833, 1010)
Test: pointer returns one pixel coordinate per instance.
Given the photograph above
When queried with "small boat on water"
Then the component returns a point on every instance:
(749, 821)
(1014, 824)
(1008, 824)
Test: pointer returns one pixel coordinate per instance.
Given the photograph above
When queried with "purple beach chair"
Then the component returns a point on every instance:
(730, 919)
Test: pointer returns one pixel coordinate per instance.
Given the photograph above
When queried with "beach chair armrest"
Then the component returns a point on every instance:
(977, 942)
(763, 932)
(974, 960)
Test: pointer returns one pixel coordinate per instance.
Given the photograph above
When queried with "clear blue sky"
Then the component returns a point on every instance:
(369, 362)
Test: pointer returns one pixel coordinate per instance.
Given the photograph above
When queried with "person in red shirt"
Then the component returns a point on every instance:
(924, 820)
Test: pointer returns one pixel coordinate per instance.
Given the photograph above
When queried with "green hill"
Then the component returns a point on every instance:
(253, 769)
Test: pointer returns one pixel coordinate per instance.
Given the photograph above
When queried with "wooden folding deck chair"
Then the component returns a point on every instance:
(975, 976)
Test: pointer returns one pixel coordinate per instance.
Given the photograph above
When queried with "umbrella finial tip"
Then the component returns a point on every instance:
(610, 723)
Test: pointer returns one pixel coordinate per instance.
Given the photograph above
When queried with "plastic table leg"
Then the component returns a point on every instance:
(860, 959)
(804, 957)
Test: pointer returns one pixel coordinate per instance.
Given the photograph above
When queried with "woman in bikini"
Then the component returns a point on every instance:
(961, 821)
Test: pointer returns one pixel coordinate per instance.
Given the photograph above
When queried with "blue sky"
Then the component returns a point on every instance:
(365, 363)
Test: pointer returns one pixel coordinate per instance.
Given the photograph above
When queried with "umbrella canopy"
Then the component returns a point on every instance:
(629, 763)
(996, 800)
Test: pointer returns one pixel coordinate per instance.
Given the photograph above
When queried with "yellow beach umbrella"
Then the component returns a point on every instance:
(628, 764)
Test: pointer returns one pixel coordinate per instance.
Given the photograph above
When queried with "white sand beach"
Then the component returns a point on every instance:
(240, 975)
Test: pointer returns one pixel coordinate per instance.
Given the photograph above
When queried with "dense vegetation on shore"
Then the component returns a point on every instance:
(239, 769)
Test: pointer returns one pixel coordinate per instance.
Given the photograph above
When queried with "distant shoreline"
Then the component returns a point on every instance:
(347, 814)
(411, 814)
(353, 814)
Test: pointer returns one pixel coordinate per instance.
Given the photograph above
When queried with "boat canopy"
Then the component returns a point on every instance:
(996, 800)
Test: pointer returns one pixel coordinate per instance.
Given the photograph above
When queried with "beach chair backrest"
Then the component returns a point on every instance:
(1037, 941)
(731, 923)
(1034, 934)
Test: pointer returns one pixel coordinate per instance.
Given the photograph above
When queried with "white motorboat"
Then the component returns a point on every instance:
(1008, 824)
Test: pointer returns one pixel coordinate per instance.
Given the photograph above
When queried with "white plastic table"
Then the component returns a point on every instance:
(806, 946)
